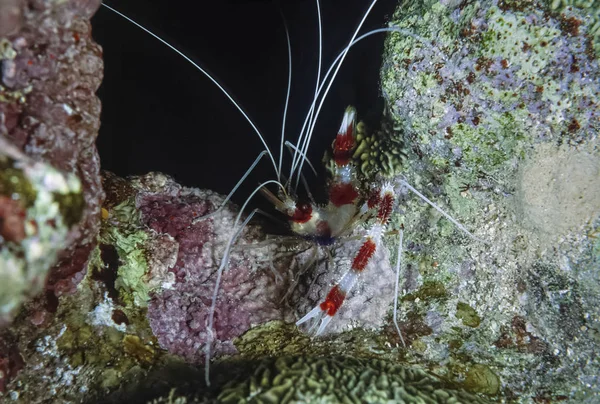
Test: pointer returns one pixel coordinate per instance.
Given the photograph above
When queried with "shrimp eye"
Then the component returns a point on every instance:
(303, 213)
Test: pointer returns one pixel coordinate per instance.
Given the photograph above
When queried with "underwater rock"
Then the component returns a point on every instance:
(168, 263)
(39, 207)
(331, 380)
(11, 361)
(51, 69)
(592, 11)
(558, 189)
(498, 105)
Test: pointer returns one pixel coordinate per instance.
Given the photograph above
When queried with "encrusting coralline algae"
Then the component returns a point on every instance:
(499, 109)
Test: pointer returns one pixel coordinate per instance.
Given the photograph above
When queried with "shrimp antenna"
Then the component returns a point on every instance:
(228, 197)
(289, 87)
(211, 78)
(334, 74)
(446, 215)
(305, 136)
(317, 84)
(222, 266)
(398, 267)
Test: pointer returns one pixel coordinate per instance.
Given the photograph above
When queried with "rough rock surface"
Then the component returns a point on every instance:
(38, 208)
(175, 273)
(51, 69)
(498, 105)
(50, 191)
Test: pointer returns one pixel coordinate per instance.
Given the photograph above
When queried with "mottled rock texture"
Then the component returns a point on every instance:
(169, 264)
(50, 192)
(498, 105)
(51, 69)
(38, 208)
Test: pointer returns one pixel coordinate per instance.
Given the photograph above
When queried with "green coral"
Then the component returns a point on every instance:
(334, 380)
(306, 379)
(381, 152)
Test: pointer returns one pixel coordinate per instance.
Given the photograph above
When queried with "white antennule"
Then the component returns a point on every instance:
(398, 267)
(446, 215)
(224, 263)
(228, 197)
(306, 132)
(345, 52)
(287, 95)
(317, 84)
(199, 68)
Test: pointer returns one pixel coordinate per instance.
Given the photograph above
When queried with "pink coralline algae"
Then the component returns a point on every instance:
(51, 69)
(248, 296)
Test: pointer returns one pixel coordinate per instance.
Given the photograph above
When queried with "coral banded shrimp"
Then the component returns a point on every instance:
(355, 203)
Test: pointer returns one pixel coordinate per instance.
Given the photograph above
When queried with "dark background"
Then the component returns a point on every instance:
(160, 114)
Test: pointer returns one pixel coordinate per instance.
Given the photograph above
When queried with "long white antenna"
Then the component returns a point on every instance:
(183, 55)
(304, 137)
(224, 262)
(318, 82)
(312, 125)
(287, 96)
(228, 197)
(398, 266)
(446, 215)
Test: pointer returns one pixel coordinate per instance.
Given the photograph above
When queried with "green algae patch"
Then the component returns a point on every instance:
(70, 206)
(272, 339)
(133, 266)
(493, 145)
(129, 241)
(379, 153)
(14, 182)
(481, 379)
(468, 315)
(278, 338)
(572, 26)
(430, 290)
